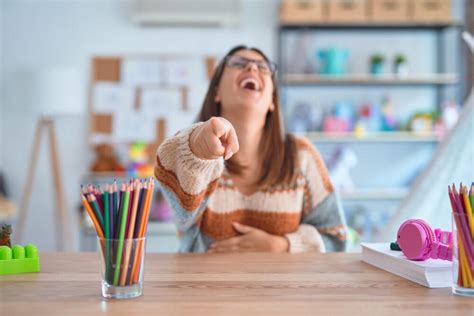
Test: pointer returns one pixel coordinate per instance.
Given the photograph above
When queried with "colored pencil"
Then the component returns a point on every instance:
(96, 208)
(92, 216)
(111, 212)
(136, 228)
(115, 197)
(122, 220)
(121, 202)
(147, 207)
(135, 265)
(107, 231)
(467, 207)
(133, 214)
(127, 227)
(143, 226)
(141, 201)
(471, 197)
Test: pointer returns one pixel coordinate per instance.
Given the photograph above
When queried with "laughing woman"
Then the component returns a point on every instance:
(237, 182)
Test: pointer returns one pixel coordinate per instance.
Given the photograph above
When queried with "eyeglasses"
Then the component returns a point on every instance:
(240, 62)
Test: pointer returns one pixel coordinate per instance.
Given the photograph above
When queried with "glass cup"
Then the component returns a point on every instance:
(463, 272)
(121, 263)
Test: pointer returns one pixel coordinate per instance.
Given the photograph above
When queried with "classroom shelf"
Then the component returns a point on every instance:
(368, 79)
(373, 25)
(380, 137)
(394, 194)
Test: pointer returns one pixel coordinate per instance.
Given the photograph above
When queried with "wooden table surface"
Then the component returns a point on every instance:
(227, 284)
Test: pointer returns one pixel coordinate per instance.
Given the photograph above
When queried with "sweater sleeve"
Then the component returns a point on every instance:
(322, 227)
(186, 180)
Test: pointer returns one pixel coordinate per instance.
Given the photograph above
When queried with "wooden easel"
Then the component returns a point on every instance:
(61, 218)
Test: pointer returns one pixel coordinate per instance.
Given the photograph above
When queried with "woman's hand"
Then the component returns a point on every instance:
(213, 139)
(251, 240)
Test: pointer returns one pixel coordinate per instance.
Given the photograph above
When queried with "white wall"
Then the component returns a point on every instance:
(40, 34)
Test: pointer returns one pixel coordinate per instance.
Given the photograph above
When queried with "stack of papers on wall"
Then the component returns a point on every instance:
(430, 273)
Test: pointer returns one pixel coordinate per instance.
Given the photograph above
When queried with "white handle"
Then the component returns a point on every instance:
(469, 40)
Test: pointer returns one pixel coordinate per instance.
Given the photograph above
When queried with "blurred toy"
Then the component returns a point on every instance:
(345, 110)
(18, 259)
(341, 119)
(388, 118)
(357, 219)
(137, 152)
(334, 124)
(5, 233)
(138, 156)
(333, 61)
(377, 64)
(162, 212)
(353, 240)
(360, 130)
(106, 160)
(341, 163)
(447, 119)
(422, 122)
(370, 117)
(450, 114)
(304, 118)
(400, 66)
(299, 62)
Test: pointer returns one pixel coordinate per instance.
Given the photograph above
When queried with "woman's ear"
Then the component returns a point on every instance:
(272, 107)
(217, 97)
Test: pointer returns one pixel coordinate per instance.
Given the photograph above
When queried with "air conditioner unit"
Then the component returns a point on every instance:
(186, 12)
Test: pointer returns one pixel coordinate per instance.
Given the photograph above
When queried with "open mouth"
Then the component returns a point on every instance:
(250, 84)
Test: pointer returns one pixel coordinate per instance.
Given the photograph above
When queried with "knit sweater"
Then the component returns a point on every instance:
(206, 202)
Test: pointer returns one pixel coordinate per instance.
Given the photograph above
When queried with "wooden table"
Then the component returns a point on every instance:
(227, 284)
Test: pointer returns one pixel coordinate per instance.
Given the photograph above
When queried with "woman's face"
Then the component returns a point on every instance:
(246, 85)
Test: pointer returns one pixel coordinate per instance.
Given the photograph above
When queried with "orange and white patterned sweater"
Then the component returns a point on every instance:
(206, 202)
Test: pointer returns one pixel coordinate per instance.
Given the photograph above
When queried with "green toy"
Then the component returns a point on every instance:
(18, 259)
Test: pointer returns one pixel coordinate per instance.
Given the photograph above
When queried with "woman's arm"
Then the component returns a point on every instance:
(190, 164)
(186, 180)
(323, 227)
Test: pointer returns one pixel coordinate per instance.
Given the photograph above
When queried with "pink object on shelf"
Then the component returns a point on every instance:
(335, 125)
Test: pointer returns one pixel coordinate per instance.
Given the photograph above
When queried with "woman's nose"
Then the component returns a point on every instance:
(251, 66)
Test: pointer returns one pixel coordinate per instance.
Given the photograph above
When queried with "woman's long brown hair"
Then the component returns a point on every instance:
(278, 148)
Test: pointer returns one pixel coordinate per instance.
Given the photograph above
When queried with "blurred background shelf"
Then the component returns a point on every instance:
(373, 25)
(380, 137)
(390, 194)
(367, 79)
(326, 60)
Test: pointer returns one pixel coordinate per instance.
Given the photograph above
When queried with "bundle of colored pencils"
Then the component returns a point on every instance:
(462, 204)
(120, 218)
